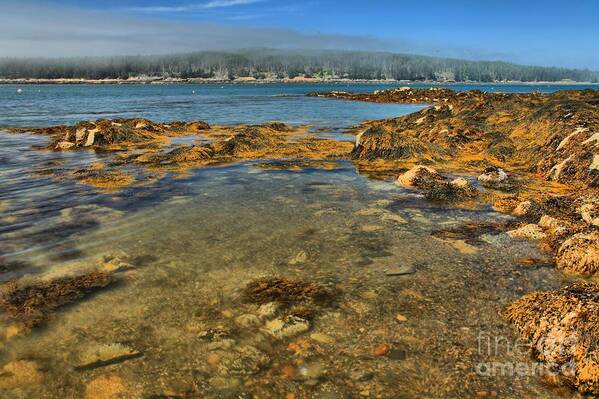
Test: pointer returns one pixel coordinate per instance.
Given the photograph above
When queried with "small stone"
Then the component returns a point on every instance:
(322, 338)
(268, 309)
(248, 321)
(401, 318)
(227, 313)
(312, 371)
(64, 145)
(400, 270)
(286, 328)
(381, 350)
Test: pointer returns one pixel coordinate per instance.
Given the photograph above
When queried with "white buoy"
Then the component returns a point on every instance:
(193, 92)
(19, 90)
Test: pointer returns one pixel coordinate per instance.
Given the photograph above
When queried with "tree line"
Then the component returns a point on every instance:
(281, 64)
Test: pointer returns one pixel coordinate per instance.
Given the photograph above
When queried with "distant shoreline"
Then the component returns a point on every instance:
(142, 81)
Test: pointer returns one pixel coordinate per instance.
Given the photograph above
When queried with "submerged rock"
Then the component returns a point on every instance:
(580, 254)
(286, 327)
(563, 328)
(20, 374)
(105, 355)
(106, 387)
(242, 360)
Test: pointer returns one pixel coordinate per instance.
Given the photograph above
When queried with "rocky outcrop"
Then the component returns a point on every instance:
(104, 133)
(556, 135)
(563, 329)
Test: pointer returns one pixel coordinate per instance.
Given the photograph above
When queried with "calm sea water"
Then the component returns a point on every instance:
(44, 105)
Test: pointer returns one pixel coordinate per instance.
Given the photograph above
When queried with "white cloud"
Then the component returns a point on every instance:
(192, 7)
(229, 3)
(29, 30)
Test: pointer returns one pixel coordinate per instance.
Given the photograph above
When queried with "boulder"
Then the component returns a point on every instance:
(456, 190)
(589, 212)
(563, 329)
(493, 177)
(553, 226)
(420, 177)
(529, 209)
(579, 254)
(528, 232)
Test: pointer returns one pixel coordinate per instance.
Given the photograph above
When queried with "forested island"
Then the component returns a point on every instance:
(280, 65)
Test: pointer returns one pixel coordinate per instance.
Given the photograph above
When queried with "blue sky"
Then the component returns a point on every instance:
(532, 32)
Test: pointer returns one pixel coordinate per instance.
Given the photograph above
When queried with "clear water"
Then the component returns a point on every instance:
(204, 235)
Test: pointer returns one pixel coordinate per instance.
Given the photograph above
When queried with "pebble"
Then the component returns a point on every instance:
(288, 327)
(381, 350)
(401, 318)
(322, 338)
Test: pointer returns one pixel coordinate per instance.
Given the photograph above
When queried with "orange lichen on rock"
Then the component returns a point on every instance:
(563, 329)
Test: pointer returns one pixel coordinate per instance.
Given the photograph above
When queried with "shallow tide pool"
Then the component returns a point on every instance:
(412, 311)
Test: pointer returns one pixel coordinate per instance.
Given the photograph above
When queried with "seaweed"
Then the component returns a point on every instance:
(285, 290)
(32, 304)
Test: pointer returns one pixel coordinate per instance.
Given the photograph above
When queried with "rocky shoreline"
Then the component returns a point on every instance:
(535, 157)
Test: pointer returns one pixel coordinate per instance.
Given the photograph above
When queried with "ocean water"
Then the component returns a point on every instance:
(44, 105)
(194, 240)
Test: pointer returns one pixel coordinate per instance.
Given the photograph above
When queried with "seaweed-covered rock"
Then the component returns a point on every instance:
(493, 177)
(104, 133)
(580, 254)
(456, 190)
(376, 142)
(249, 140)
(528, 232)
(563, 328)
(528, 209)
(420, 177)
(589, 212)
